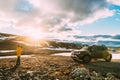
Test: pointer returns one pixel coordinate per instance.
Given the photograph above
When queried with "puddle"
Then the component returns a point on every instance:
(3, 57)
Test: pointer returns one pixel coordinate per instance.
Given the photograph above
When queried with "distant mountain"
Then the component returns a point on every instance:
(109, 43)
(108, 40)
(6, 35)
(103, 36)
(9, 41)
(116, 37)
(13, 40)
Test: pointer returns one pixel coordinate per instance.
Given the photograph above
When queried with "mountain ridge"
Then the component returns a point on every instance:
(108, 40)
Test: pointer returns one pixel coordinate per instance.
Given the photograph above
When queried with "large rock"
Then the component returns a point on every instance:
(80, 73)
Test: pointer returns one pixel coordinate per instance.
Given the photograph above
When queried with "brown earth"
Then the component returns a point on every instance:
(59, 67)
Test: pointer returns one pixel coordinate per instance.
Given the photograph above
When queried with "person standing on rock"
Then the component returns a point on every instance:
(18, 53)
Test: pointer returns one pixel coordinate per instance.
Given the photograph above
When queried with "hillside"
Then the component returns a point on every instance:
(9, 41)
(39, 62)
(108, 40)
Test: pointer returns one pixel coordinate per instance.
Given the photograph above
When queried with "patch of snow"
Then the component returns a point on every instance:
(3, 57)
(28, 44)
(4, 38)
(62, 54)
(6, 51)
(105, 39)
(59, 49)
(114, 56)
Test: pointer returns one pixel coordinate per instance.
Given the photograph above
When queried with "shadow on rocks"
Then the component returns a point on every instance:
(5, 73)
(105, 67)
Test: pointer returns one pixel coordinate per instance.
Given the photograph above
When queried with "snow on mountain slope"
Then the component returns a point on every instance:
(108, 40)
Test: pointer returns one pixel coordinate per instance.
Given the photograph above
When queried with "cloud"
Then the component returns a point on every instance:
(97, 15)
(72, 11)
(52, 15)
(116, 2)
(4, 24)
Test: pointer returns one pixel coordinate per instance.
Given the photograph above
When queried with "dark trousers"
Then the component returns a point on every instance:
(18, 61)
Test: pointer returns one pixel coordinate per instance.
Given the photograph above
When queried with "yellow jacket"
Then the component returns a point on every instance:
(19, 51)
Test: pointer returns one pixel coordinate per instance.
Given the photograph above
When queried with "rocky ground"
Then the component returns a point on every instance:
(47, 67)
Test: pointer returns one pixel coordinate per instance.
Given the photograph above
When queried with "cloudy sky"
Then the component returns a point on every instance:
(60, 18)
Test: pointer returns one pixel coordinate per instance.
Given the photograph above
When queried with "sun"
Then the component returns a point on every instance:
(35, 34)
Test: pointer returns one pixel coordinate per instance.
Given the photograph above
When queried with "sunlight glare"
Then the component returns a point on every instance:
(35, 34)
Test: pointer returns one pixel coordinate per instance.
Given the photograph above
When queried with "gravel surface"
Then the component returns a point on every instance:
(47, 67)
